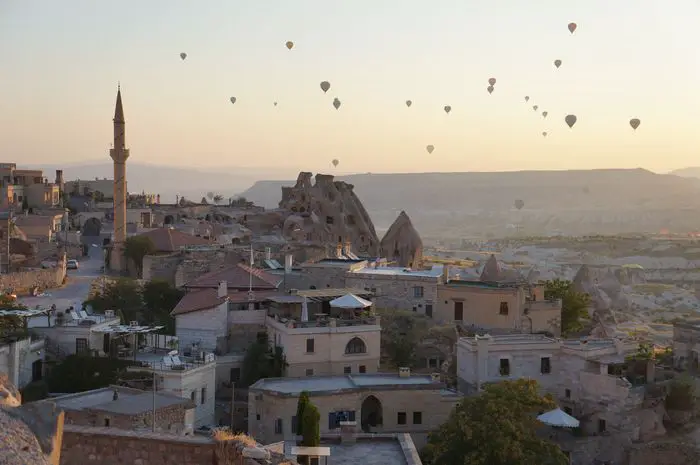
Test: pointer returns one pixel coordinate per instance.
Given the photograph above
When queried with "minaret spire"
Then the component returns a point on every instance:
(119, 154)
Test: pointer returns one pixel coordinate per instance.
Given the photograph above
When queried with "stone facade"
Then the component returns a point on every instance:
(168, 419)
(414, 409)
(181, 267)
(328, 273)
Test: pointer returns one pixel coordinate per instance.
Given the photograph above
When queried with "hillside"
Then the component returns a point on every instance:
(689, 172)
(570, 202)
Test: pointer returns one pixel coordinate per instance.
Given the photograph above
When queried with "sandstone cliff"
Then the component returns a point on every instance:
(327, 212)
(402, 243)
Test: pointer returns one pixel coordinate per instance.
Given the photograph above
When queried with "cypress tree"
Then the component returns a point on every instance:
(301, 406)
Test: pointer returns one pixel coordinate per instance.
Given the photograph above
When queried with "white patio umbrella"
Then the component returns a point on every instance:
(350, 301)
(560, 418)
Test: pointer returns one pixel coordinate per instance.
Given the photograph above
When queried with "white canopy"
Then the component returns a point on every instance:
(350, 301)
(558, 417)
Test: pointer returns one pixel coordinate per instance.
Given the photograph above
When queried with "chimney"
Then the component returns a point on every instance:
(348, 248)
(445, 273)
(223, 290)
(339, 250)
(59, 178)
(115, 395)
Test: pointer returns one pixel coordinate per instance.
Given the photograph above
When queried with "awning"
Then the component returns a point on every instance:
(22, 313)
(560, 418)
(128, 329)
(350, 301)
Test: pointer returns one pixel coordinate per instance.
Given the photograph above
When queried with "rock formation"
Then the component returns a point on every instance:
(29, 434)
(493, 271)
(402, 244)
(327, 212)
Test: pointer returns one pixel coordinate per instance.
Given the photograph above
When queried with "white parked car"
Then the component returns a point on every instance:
(72, 264)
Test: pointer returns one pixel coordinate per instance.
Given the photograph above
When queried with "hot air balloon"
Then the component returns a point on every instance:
(535, 107)
(544, 134)
(409, 103)
(448, 109)
(570, 120)
(544, 114)
(274, 103)
(527, 98)
(490, 89)
(183, 55)
(233, 99)
(572, 27)
(336, 103)
(429, 148)
(634, 122)
(519, 204)
(557, 63)
(492, 81)
(325, 85)
(289, 44)
(335, 162)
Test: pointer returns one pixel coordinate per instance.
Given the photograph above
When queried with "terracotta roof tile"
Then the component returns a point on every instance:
(171, 240)
(237, 277)
(203, 299)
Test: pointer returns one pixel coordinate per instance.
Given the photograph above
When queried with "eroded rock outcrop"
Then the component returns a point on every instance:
(327, 212)
(29, 434)
(402, 243)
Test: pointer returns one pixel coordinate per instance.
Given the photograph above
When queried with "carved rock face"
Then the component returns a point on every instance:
(9, 394)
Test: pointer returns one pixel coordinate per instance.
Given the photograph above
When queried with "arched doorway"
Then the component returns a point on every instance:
(92, 227)
(169, 219)
(371, 414)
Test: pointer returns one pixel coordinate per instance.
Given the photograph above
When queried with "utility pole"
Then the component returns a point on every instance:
(153, 422)
(233, 403)
(9, 233)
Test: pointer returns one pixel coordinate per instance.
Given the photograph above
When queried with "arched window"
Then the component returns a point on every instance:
(356, 346)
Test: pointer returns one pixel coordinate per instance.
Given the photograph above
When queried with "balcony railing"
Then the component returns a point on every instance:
(324, 322)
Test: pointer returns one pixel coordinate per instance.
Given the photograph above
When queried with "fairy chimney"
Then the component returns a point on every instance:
(402, 243)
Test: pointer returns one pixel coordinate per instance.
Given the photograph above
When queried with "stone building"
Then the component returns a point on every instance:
(378, 403)
(22, 358)
(128, 409)
(686, 344)
(399, 288)
(402, 244)
(512, 306)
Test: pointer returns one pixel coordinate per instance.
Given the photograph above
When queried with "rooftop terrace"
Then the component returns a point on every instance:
(434, 272)
(129, 401)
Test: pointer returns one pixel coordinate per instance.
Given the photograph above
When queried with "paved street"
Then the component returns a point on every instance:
(77, 287)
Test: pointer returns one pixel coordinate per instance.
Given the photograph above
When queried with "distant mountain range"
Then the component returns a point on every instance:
(476, 204)
(689, 172)
(169, 181)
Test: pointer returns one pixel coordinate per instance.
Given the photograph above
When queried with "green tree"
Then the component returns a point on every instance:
(681, 395)
(497, 427)
(123, 294)
(136, 248)
(11, 324)
(77, 373)
(402, 332)
(160, 298)
(302, 403)
(311, 434)
(262, 361)
(218, 198)
(574, 305)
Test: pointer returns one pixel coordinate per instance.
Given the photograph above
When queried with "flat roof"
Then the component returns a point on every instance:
(435, 272)
(330, 384)
(511, 339)
(331, 292)
(376, 452)
(130, 401)
(483, 284)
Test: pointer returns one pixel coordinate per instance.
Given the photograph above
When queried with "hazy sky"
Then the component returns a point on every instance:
(61, 61)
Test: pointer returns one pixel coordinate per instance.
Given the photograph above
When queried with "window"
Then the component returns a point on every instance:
(504, 367)
(545, 365)
(37, 370)
(401, 418)
(504, 308)
(193, 396)
(459, 311)
(294, 424)
(235, 374)
(278, 426)
(356, 346)
(429, 310)
(568, 410)
(363, 369)
(310, 345)
(418, 292)
(417, 418)
(347, 370)
(257, 416)
(329, 220)
(203, 396)
(309, 372)
(567, 393)
(314, 461)
(602, 426)
(81, 345)
(107, 422)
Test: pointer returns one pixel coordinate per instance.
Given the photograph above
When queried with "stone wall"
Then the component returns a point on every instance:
(664, 453)
(22, 282)
(110, 446)
(169, 419)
